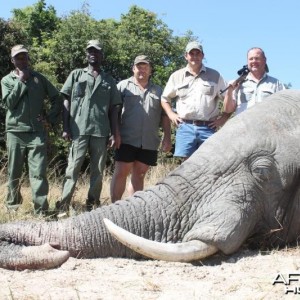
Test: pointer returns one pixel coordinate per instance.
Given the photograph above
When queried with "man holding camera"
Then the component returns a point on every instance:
(254, 87)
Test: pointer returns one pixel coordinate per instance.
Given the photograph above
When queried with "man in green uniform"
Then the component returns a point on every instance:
(90, 116)
(24, 92)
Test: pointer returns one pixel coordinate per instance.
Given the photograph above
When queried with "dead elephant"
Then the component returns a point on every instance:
(243, 182)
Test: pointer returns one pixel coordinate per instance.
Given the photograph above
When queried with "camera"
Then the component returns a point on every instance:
(243, 71)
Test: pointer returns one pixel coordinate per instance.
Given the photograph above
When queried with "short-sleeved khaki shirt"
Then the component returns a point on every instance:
(91, 99)
(196, 97)
(251, 92)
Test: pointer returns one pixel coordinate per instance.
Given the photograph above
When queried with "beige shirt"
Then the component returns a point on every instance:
(251, 92)
(196, 97)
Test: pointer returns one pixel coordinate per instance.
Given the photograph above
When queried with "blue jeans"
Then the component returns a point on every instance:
(189, 138)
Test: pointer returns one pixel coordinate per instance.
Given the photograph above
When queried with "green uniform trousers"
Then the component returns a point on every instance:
(30, 146)
(97, 149)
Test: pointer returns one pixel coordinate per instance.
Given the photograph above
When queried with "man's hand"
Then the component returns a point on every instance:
(114, 141)
(24, 74)
(66, 135)
(220, 121)
(174, 118)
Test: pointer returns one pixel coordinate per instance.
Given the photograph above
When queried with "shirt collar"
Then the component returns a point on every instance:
(132, 79)
(250, 77)
(188, 73)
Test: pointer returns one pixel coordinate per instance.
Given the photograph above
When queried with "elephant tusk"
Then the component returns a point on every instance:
(180, 252)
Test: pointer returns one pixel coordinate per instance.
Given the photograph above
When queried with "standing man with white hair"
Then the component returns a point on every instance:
(255, 87)
(196, 89)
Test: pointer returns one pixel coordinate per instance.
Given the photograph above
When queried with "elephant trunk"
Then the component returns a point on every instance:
(151, 215)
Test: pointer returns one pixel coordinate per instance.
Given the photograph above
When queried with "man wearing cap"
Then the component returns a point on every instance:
(196, 89)
(89, 118)
(24, 92)
(141, 117)
(256, 86)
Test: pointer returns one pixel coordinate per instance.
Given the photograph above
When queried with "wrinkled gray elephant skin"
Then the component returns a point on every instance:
(242, 182)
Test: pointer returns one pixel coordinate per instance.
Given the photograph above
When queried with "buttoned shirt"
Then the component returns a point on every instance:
(26, 102)
(196, 97)
(141, 114)
(251, 92)
(91, 99)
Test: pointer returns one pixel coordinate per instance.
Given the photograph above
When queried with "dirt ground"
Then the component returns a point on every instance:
(245, 275)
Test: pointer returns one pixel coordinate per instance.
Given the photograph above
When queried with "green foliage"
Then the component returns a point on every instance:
(141, 32)
(36, 20)
(67, 47)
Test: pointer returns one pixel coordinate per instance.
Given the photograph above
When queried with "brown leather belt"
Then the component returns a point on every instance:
(196, 122)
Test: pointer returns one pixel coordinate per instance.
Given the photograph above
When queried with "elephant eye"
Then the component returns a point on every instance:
(261, 169)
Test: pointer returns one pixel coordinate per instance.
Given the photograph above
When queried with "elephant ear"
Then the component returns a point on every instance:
(16, 257)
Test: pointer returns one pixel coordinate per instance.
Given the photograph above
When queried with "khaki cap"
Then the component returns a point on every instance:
(94, 44)
(142, 59)
(18, 49)
(193, 45)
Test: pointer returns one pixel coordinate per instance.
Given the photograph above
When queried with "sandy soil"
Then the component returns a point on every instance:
(245, 275)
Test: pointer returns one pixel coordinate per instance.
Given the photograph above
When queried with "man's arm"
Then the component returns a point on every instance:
(114, 118)
(12, 94)
(175, 119)
(166, 144)
(229, 104)
(66, 119)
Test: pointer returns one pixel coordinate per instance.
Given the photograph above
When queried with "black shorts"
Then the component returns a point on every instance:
(128, 153)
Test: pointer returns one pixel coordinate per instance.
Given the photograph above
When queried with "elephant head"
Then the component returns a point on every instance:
(242, 182)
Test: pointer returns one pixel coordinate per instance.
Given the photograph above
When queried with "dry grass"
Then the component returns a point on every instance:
(55, 187)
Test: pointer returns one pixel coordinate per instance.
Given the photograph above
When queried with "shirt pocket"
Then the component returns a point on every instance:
(131, 103)
(246, 95)
(265, 93)
(154, 102)
(79, 90)
(182, 91)
(105, 87)
(207, 88)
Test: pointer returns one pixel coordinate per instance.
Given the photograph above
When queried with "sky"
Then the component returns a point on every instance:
(226, 29)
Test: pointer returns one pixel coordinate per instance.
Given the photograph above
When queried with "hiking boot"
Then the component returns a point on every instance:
(60, 207)
(91, 204)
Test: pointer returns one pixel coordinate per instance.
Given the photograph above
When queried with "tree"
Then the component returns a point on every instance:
(67, 46)
(141, 32)
(36, 20)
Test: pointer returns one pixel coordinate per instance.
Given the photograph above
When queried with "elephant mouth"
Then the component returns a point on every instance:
(179, 252)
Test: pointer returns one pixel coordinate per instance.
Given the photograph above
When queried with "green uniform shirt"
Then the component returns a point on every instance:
(90, 101)
(26, 102)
